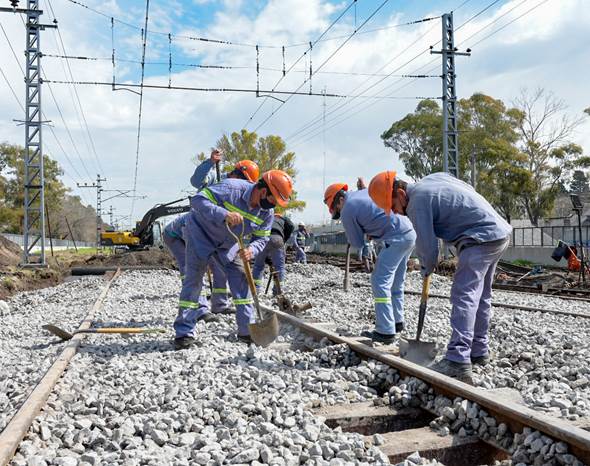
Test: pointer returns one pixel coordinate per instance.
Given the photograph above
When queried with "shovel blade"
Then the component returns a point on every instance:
(265, 331)
(58, 332)
(422, 353)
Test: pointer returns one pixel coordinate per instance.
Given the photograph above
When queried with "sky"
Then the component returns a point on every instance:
(545, 46)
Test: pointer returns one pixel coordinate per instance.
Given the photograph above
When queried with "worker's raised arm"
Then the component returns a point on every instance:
(204, 174)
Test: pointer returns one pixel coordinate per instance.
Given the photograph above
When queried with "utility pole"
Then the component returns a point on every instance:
(473, 169)
(111, 216)
(449, 96)
(98, 186)
(34, 188)
(324, 147)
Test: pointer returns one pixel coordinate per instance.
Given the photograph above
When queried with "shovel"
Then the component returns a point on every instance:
(265, 330)
(65, 335)
(416, 351)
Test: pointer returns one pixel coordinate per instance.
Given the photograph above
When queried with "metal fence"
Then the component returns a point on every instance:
(549, 236)
(57, 243)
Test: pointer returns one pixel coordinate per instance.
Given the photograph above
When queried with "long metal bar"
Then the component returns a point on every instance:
(520, 415)
(19, 425)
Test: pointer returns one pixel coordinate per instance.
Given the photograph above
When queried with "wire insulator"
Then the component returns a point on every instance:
(284, 72)
(169, 60)
(310, 66)
(113, 48)
(257, 71)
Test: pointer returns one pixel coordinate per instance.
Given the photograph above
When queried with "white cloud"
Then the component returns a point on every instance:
(542, 49)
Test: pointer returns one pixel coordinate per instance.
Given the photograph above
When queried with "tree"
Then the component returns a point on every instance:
(545, 131)
(579, 182)
(57, 200)
(417, 139)
(268, 152)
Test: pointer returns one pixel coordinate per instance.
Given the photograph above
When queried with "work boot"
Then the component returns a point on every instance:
(208, 318)
(379, 337)
(224, 311)
(399, 327)
(456, 370)
(245, 339)
(481, 360)
(183, 343)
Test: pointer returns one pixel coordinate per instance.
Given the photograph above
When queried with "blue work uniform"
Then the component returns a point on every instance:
(174, 240)
(204, 176)
(441, 206)
(207, 237)
(281, 231)
(360, 216)
(299, 245)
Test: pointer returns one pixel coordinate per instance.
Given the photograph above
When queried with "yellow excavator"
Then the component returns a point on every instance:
(148, 232)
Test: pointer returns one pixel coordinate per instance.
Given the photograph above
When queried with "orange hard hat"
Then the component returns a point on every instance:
(331, 192)
(381, 188)
(249, 169)
(280, 185)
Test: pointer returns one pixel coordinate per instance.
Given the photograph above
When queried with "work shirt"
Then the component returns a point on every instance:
(441, 206)
(205, 175)
(360, 216)
(209, 209)
(300, 237)
(282, 227)
(174, 228)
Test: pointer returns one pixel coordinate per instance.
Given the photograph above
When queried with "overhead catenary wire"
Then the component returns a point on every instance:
(275, 111)
(330, 26)
(88, 133)
(370, 104)
(143, 47)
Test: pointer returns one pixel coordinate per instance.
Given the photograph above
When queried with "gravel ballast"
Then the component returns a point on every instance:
(132, 400)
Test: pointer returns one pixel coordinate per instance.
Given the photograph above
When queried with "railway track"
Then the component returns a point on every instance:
(398, 431)
(407, 429)
(19, 425)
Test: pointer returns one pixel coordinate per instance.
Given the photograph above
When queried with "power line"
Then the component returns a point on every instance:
(427, 71)
(88, 133)
(143, 47)
(274, 112)
(298, 60)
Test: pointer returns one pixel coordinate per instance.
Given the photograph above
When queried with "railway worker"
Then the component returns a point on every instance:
(174, 241)
(360, 217)
(441, 206)
(280, 232)
(244, 207)
(299, 243)
(205, 175)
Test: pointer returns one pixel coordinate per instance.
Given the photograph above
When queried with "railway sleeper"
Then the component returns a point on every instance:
(401, 432)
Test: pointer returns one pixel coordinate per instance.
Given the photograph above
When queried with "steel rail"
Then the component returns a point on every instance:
(20, 423)
(515, 415)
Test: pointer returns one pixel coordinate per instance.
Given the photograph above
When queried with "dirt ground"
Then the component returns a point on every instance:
(14, 278)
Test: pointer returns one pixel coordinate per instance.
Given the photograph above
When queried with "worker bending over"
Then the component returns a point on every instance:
(280, 232)
(247, 209)
(441, 206)
(299, 243)
(205, 175)
(360, 217)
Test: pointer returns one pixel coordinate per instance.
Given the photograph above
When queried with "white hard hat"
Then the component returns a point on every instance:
(301, 224)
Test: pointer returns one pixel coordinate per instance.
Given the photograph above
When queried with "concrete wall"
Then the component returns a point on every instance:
(537, 255)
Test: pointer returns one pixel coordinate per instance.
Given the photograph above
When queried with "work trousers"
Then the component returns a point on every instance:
(300, 255)
(177, 247)
(189, 308)
(275, 249)
(219, 297)
(471, 296)
(387, 282)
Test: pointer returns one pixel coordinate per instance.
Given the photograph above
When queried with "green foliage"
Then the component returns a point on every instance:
(268, 152)
(417, 139)
(522, 155)
(57, 199)
(579, 182)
